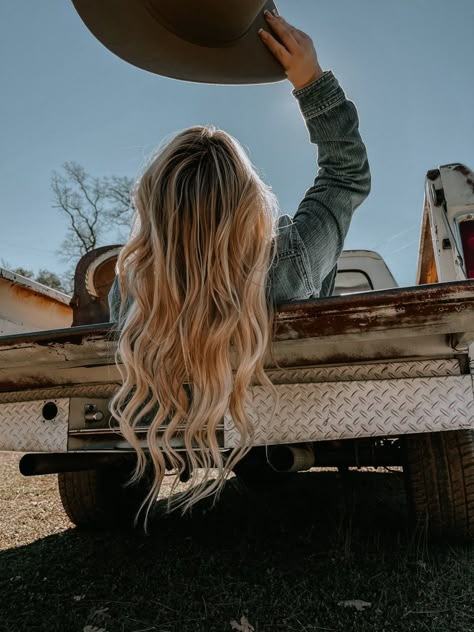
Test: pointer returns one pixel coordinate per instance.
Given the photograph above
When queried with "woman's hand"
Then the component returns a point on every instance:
(296, 53)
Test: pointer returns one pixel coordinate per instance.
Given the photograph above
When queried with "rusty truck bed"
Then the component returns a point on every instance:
(431, 321)
(376, 364)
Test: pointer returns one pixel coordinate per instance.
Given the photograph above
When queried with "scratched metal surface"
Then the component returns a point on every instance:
(23, 427)
(421, 323)
(291, 375)
(358, 372)
(312, 411)
(349, 410)
(81, 390)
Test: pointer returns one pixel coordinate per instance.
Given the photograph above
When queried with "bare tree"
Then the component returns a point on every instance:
(97, 209)
(119, 197)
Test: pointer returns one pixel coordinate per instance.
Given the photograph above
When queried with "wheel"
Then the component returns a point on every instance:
(439, 474)
(97, 498)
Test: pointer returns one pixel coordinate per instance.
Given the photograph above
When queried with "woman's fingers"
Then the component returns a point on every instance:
(276, 48)
(293, 30)
(294, 50)
(282, 29)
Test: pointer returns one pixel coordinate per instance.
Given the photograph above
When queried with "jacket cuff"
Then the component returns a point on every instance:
(319, 96)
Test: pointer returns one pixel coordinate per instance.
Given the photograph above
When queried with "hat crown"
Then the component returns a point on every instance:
(206, 22)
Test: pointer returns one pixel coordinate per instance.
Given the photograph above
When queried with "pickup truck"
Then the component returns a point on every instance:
(375, 375)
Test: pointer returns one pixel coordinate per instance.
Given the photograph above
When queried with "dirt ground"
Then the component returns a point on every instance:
(319, 553)
(30, 506)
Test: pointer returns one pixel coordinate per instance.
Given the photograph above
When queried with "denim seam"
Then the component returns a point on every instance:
(294, 237)
(321, 81)
(314, 112)
(308, 286)
(303, 261)
(287, 254)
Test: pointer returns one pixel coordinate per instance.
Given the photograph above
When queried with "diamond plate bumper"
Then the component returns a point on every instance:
(315, 404)
(349, 410)
(28, 426)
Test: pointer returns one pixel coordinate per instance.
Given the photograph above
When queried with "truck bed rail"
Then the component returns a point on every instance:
(431, 321)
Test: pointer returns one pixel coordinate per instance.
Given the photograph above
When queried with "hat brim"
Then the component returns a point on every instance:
(130, 31)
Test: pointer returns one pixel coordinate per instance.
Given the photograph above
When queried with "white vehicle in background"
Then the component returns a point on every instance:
(362, 271)
(374, 376)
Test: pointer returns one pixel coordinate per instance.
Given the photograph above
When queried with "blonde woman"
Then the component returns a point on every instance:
(208, 260)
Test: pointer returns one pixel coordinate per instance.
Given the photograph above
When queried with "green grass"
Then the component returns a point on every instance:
(284, 559)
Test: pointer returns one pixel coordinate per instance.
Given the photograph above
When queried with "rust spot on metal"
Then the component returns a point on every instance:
(97, 270)
(462, 169)
(25, 294)
(20, 384)
(422, 305)
(69, 335)
(26, 305)
(467, 173)
(392, 318)
(432, 174)
(373, 311)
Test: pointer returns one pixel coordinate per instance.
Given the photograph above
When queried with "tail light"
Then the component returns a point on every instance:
(466, 230)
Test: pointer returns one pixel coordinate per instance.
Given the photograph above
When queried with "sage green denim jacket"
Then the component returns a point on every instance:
(308, 244)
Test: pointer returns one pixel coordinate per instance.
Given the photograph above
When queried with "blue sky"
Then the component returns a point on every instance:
(407, 65)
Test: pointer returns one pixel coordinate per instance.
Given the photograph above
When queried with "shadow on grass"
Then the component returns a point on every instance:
(283, 559)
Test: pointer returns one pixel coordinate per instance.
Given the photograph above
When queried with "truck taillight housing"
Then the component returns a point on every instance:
(466, 230)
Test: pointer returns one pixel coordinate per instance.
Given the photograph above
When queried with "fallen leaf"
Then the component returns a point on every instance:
(243, 626)
(93, 628)
(358, 604)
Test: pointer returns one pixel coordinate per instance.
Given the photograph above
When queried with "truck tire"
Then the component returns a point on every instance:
(439, 474)
(97, 498)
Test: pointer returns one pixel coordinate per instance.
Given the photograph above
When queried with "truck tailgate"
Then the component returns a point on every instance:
(337, 359)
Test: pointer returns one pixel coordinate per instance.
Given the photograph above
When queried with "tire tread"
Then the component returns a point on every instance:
(439, 470)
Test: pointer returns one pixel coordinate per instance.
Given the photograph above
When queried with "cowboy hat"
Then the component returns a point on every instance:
(211, 41)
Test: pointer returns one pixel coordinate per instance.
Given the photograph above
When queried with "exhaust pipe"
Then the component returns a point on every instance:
(291, 458)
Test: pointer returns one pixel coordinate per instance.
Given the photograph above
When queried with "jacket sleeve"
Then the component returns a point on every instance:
(114, 301)
(343, 176)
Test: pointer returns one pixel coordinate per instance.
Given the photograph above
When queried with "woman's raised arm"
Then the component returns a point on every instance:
(343, 178)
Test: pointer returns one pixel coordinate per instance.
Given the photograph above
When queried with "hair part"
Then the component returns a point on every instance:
(196, 267)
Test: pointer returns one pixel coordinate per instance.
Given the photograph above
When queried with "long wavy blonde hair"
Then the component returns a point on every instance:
(196, 266)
